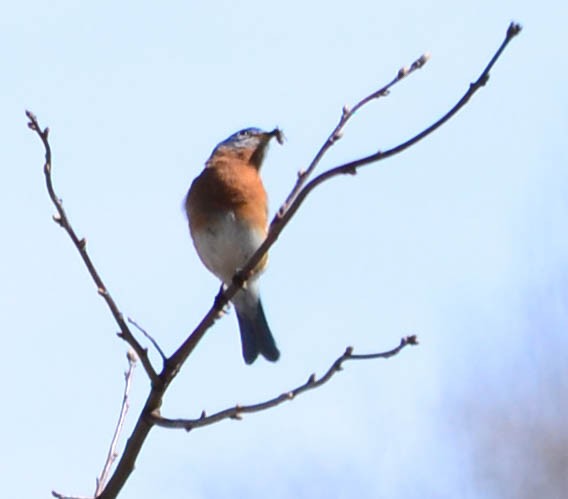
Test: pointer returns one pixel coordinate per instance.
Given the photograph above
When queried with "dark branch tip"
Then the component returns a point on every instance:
(514, 29)
(423, 59)
(410, 340)
(311, 379)
(203, 414)
(348, 352)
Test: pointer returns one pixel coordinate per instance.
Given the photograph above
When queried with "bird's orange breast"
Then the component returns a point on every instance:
(227, 188)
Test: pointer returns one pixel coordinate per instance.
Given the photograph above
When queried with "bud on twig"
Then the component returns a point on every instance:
(402, 72)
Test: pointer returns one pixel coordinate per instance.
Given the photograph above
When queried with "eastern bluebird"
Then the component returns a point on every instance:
(228, 219)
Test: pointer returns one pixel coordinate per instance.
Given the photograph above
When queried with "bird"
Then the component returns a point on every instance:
(227, 212)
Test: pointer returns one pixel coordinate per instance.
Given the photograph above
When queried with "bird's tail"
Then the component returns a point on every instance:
(255, 334)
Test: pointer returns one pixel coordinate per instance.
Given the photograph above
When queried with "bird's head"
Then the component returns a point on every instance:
(249, 144)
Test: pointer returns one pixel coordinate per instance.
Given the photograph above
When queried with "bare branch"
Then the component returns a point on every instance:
(81, 245)
(152, 340)
(337, 132)
(280, 220)
(63, 496)
(237, 411)
(111, 456)
(101, 481)
(150, 413)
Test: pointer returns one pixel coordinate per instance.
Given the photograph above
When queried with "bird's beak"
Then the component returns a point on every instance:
(278, 134)
(258, 155)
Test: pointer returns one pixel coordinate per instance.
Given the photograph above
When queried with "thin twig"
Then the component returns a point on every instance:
(111, 456)
(81, 244)
(152, 340)
(351, 167)
(63, 496)
(237, 411)
(346, 114)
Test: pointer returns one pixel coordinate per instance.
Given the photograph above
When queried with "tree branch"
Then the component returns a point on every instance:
(337, 132)
(111, 456)
(160, 383)
(102, 480)
(150, 338)
(58, 495)
(81, 245)
(237, 411)
(280, 220)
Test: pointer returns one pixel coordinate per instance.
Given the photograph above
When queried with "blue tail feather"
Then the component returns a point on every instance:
(255, 334)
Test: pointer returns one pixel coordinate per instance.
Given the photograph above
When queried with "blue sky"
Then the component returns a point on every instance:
(460, 240)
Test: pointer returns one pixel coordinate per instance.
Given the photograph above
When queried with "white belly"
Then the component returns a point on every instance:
(225, 245)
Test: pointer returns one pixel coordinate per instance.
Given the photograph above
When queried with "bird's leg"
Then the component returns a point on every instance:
(240, 279)
(221, 308)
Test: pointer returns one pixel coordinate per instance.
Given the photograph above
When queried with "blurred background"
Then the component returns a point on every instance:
(460, 240)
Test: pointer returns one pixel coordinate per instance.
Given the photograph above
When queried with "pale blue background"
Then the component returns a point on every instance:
(461, 240)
